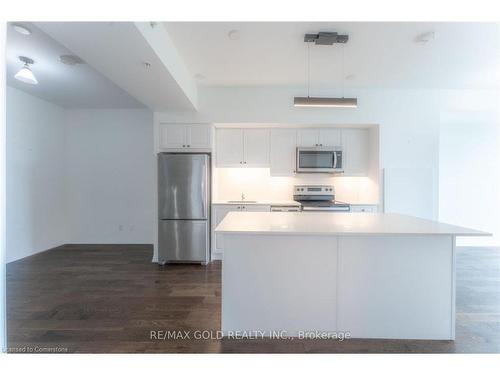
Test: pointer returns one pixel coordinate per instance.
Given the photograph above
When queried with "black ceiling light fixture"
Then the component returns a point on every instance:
(325, 39)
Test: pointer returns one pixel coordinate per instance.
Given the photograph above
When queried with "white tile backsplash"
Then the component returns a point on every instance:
(257, 184)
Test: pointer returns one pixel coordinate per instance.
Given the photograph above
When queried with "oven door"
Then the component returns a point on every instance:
(319, 159)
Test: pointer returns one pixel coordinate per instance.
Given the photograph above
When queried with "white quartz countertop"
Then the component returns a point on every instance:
(328, 223)
(276, 203)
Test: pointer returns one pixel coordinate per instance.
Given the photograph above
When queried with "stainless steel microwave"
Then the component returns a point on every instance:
(319, 160)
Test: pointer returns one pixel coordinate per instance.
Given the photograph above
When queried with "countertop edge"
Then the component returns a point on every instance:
(350, 234)
(284, 203)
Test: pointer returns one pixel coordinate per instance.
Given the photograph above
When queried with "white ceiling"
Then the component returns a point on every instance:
(79, 86)
(119, 50)
(378, 55)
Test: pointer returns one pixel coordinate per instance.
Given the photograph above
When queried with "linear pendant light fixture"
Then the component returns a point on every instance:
(307, 101)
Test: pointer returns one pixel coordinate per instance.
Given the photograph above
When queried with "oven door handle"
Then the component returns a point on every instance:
(334, 159)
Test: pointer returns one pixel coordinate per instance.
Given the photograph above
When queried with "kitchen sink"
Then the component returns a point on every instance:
(242, 202)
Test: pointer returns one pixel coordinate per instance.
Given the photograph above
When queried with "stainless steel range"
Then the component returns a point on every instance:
(318, 198)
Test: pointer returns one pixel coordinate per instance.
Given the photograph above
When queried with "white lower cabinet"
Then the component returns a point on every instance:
(219, 211)
(364, 208)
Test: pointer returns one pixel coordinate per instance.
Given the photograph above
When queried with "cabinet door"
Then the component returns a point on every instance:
(364, 208)
(283, 152)
(220, 213)
(329, 137)
(173, 136)
(199, 136)
(355, 143)
(256, 147)
(229, 147)
(307, 138)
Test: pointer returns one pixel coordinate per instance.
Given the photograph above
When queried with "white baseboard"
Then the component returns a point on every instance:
(216, 256)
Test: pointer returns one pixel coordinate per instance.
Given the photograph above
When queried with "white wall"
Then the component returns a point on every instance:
(409, 120)
(3, 314)
(110, 176)
(36, 204)
(469, 174)
(77, 176)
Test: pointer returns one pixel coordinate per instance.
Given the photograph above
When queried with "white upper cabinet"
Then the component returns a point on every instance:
(283, 152)
(356, 148)
(173, 136)
(329, 137)
(307, 137)
(185, 137)
(242, 148)
(229, 147)
(256, 147)
(318, 137)
(276, 148)
(199, 136)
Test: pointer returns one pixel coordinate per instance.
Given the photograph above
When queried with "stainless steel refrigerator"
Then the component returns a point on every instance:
(183, 208)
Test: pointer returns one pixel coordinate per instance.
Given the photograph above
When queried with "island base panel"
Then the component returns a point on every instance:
(386, 286)
(275, 283)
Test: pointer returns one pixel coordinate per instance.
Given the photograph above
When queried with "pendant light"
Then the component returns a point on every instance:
(25, 74)
(308, 101)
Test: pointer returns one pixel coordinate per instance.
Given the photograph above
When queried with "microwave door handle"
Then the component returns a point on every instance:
(334, 159)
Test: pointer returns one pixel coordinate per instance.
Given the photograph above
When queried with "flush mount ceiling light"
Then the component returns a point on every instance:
(70, 60)
(329, 39)
(425, 37)
(233, 35)
(25, 74)
(21, 29)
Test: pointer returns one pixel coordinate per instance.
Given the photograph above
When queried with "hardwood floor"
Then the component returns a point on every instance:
(109, 298)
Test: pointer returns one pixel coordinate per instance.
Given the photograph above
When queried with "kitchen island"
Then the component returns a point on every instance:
(366, 275)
